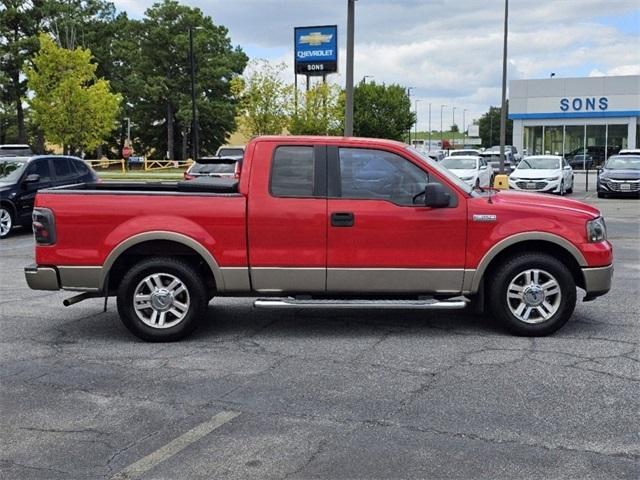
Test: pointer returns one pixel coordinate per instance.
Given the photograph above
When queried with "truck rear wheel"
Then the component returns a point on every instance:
(532, 294)
(161, 299)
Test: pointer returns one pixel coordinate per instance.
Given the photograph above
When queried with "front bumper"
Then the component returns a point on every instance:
(597, 281)
(41, 278)
(540, 185)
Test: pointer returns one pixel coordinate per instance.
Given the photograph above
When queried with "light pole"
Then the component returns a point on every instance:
(128, 131)
(415, 136)
(503, 110)
(429, 127)
(409, 95)
(364, 78)
(194, 119)
(348, 109)
(441, 132)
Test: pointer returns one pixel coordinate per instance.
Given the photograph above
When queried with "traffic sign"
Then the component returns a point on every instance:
(127, 151)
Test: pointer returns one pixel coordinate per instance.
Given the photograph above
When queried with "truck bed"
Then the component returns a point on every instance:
(201, 185)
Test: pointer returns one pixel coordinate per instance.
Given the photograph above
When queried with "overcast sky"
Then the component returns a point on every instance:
(450, 51)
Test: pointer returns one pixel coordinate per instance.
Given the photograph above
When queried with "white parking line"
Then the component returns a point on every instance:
(170, 449)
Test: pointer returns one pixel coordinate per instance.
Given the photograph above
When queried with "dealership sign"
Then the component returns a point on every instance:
(579, 104)
(316, 50)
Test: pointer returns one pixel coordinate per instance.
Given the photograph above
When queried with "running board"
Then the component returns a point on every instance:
(430, 304)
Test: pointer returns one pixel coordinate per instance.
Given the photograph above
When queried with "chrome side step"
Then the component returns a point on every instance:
(427, 304)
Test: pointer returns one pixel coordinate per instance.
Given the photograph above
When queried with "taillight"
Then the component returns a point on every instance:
(44, 226)
(236, 172)
(187, 176)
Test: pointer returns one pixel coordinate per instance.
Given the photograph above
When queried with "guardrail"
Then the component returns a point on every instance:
(105, 164)
(165, 164)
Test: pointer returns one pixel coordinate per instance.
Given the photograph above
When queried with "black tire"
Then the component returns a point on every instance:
(501, 306)
(562, 190)
(602, 195)
(477, 185)
(7, 221)
(195, 299)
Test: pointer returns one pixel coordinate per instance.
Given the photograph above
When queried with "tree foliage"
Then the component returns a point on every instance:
(320, 111)
(73, 107)
(382, 111)
(489, 125)
(265, 100)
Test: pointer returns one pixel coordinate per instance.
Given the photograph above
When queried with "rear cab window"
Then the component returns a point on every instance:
(293, 172)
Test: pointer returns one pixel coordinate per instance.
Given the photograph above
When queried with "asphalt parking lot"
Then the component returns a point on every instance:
(322, 394)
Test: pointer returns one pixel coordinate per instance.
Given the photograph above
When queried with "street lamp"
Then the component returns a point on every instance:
(415, 136)
(441, 132)
(364, 78)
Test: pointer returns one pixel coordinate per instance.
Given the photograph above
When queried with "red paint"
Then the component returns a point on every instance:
(259, 229)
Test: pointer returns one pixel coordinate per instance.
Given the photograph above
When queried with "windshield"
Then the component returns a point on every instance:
(11, 169)
(220, 167)
(462, 153)
(623, 163)
(230, 152)
(539, 164)
(459, 163)
(443, 171)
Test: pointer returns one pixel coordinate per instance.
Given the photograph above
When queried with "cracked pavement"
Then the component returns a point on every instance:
(323, 394)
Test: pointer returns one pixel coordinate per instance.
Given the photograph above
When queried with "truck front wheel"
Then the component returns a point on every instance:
(161, 299)
(532, 294)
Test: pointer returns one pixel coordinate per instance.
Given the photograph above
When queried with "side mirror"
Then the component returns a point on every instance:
(483, 167)
(32, 178)
(436, 196)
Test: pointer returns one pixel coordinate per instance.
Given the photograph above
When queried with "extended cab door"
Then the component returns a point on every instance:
(381, 237)
(287, 218)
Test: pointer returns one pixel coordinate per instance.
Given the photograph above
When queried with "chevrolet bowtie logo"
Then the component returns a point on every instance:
(316, 38)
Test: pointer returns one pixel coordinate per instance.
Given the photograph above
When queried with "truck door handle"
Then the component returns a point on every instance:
(342, 219)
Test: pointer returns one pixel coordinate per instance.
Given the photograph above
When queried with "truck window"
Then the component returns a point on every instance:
(379, 175)
(292, 172)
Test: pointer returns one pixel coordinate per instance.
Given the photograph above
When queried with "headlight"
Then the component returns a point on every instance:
(552, 179)
(515, 179)
(596, 230)
(466, 179)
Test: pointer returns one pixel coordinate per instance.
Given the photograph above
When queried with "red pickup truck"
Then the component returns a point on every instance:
(320, 222)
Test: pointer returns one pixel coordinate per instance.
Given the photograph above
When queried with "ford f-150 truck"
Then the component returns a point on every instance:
(320, 222)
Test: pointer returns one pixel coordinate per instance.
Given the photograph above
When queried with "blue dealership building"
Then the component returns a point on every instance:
(592, 116)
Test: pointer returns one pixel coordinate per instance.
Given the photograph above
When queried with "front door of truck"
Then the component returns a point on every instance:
(287, 218)
(381, 237)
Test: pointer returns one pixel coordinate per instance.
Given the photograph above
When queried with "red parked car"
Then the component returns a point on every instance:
(321, 222)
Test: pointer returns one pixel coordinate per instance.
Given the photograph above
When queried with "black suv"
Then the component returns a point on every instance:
(22, 177)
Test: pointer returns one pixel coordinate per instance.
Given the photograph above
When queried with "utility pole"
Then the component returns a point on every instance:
(128, 131)
(194, 119)
(503, 110)
(348, 114)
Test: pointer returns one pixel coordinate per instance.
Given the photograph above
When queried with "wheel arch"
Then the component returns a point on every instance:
(11, 206)
(536, 242)
(160, 243)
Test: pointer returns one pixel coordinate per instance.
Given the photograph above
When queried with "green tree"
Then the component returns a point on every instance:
(73, 107)
(265, 100)
(19, 25)
(489, 125)
(382, 111)
(320, 111)
(162, 65)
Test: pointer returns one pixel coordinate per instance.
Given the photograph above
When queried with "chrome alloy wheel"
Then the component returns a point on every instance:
(534, 296)
(5, 222)
(161, 300)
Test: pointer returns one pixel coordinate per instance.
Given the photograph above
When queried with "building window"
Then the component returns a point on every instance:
(553, 140)
(596, 142)
(533, 140)
(617, 139)
(573, 141)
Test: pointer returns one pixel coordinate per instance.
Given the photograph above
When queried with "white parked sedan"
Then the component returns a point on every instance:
(470, 169)
(543, 173)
